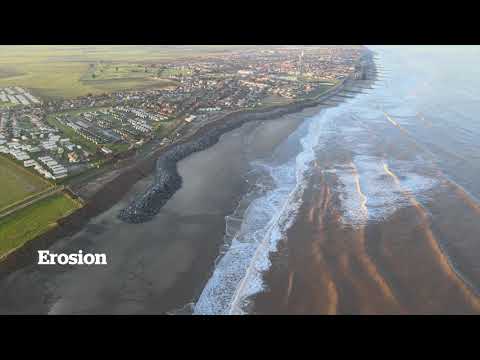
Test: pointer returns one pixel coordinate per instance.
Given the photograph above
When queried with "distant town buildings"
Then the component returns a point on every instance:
(55, 139)
(16, 95)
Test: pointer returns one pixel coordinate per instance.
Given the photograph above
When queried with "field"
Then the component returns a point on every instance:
(274, 100)
(5, 105)
(175, 72)
(64, 80)
(115, 71)
(26, 224)
(62, 71)
(17, 183)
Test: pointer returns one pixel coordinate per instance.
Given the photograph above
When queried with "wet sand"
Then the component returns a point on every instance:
(393, 267)
(385, 225)
(390, 219)
(161, 265)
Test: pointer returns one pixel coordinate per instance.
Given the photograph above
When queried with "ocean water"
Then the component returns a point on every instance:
(408, 139)
(258, 224)
(403, 153)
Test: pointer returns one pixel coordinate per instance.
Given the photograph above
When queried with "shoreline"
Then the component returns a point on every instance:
(324, 267)
(368, 238)
(111, 192)
(168, 181)
(156, 266)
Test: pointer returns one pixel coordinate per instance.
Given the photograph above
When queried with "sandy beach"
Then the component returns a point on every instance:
(389, 220)
(367, 206)
(159, 266)
(392, 267)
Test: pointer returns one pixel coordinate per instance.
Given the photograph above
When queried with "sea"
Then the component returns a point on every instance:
(410, 137)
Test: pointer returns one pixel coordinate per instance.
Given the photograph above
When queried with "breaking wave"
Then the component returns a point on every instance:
(256, 227)
(368, 192)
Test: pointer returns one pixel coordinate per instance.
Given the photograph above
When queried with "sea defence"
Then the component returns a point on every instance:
(168, 181)
(162, 162)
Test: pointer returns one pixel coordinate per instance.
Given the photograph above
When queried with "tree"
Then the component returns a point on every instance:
(93, 76)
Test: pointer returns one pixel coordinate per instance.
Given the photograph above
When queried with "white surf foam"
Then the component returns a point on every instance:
(377, 195)
(238, 274)
(366, 192)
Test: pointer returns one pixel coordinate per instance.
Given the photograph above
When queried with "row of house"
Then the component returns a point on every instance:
(140, 125)
(17, 154)
(57, 171)
(17, 96)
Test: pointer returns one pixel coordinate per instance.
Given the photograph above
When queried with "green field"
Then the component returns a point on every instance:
(118, 148)
(274, 100)
(18, 228)
(17, 183)
(115, 71)
(6, 105)
(64, 80)
(175, 72)
(57, 71)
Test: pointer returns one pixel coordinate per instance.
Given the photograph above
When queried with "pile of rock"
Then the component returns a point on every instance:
(168, 181)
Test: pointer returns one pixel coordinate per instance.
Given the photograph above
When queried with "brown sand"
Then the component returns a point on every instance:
(163, 264)
(393, 267)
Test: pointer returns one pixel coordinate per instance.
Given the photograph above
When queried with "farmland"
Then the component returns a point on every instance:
(66, 71)
(64, 80)
(114, 71)
(18, 228)
(77, 134)
(17, 183)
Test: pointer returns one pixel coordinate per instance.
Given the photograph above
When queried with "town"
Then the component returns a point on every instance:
(58, 138)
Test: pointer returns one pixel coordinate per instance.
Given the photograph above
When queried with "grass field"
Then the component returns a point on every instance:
(274, 100)
(26, 224)
(115, 71)
(17, 183)
(6, 105)
(175, 72)
(56, 71)
(64, 80)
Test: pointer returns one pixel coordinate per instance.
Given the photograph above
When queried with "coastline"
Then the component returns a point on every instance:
(110, 193)
(157, 266)
(375, 234)
(167, 180)
(324, 267)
